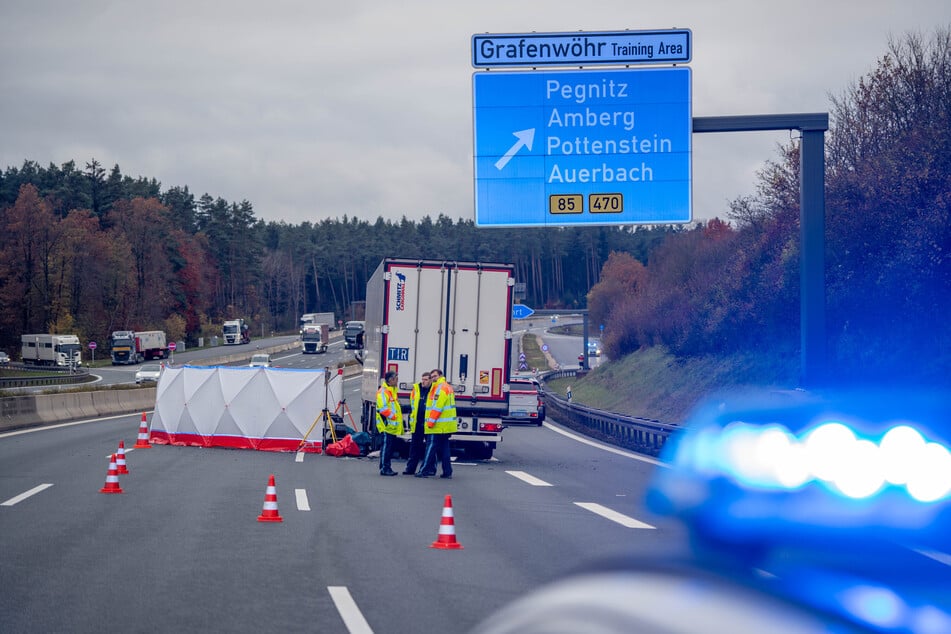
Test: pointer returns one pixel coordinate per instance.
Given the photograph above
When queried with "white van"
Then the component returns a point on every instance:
(526, 404)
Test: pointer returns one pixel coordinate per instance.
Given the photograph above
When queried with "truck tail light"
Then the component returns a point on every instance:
(493, 427)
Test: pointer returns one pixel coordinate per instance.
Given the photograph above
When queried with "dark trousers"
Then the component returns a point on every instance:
(417, 449)
(437, 448)
(386, 452)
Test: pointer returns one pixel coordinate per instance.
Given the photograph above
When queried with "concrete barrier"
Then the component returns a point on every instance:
(29, 411)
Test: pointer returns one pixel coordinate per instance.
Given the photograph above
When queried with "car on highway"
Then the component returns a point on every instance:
(594, 348)
(526, 404)
(4, 358)
(148, 373)
(260, 360)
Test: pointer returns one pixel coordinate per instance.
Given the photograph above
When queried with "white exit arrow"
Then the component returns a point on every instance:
(526, 138)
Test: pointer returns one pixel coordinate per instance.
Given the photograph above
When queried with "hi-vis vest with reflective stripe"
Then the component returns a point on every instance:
(389, 414)
(441, 408)
(414, 400)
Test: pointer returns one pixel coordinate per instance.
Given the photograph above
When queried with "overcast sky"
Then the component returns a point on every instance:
(318, 109)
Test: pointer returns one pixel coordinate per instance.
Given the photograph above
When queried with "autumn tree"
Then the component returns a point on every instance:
(31, 233)
(889, 214)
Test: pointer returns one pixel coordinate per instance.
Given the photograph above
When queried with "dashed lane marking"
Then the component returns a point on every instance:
(614, 516)
(353, 619)
(26, 494)
(530, 479)
(302, 503)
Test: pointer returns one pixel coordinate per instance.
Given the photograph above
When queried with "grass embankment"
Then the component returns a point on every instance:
(534, 357)
(654, 384)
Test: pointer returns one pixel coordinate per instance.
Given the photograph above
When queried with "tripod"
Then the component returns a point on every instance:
(325, 415)
(342, 407)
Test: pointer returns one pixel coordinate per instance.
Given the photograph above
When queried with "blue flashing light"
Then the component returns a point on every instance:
(791, 465)
(772, 457)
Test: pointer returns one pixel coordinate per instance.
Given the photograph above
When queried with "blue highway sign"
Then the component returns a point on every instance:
(520, 311)
(587, 147)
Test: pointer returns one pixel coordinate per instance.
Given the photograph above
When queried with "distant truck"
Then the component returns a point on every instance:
(59, 350)
(236, 331)
(454, 316)
(314, 338)
(353, 334)
(316, 319)
(128, 347)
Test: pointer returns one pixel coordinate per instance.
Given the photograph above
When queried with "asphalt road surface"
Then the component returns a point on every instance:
(181, 549)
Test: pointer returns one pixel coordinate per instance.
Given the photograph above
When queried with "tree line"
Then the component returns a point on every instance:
(89, 252)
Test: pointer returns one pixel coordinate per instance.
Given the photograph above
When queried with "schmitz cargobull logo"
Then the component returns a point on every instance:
(400, 291)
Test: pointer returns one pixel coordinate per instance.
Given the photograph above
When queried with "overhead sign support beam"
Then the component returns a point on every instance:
(812, 307)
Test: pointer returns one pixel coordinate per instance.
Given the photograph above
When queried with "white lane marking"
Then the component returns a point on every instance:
(32, 430)
(530, 479)
(614, 450)
(302, 503)
(26, 494)
(614, 516)
(299, 457)
(352, 617)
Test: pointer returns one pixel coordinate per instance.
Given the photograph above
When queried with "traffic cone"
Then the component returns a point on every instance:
(142, 442)
(447, 528)
(112, 478)
(270, 513)
(120, 458)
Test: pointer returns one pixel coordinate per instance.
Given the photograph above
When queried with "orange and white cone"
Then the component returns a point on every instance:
(112, 478)
(120, 458)
(142, 442)
(270, 512)
(447, 528)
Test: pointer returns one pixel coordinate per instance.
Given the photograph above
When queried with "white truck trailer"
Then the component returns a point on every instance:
(454, 316)
(59, 350)
(318, 318)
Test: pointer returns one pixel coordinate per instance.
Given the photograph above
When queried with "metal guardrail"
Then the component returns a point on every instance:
(60, 376)
(643, 435)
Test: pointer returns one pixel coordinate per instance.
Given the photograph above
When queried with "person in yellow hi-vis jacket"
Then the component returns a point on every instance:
(440, 425)
(389, 420)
